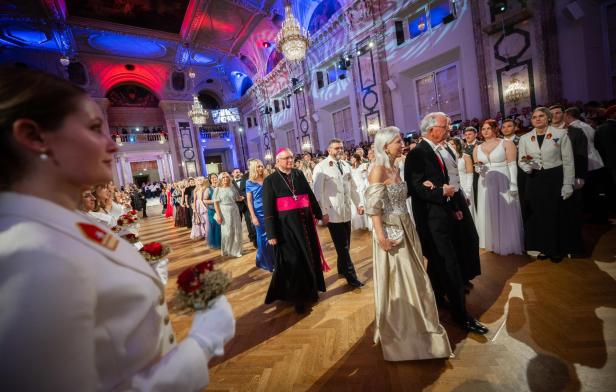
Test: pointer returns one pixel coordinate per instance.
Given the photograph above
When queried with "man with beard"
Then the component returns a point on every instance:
(290, 209)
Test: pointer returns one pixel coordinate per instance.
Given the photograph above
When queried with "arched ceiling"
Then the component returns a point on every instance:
(217, 38)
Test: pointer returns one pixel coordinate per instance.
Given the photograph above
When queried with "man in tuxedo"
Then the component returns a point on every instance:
(438, 214)
(334, 189)
(239, 182)
(470, 138)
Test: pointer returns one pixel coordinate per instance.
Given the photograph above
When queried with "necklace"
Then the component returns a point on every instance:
(291, 187)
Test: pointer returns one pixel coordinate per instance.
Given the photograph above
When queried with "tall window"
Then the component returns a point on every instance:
(439, 91)
(343, 126)
(291, 142)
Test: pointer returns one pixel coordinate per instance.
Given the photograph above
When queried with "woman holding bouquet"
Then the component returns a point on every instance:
(228, 216)
(102, 307)
(499, 216)
(213, 234)
(546, 156)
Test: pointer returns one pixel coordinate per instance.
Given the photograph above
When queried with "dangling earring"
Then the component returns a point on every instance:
(43, 155)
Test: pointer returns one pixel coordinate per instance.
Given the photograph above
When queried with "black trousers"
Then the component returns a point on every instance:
(189, 213)
(341, 236)
(252, 233)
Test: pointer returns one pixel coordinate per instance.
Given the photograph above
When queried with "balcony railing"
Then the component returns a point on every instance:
(141, 138)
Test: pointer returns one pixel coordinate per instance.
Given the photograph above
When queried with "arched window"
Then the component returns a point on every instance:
(321, 14)
(132, 95)
(208, 100)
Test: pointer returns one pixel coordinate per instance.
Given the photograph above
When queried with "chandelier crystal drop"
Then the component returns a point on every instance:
(197, 114)
(516, 91)
(292, 40)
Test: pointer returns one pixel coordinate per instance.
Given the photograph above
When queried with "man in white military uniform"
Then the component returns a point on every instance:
(334, 189)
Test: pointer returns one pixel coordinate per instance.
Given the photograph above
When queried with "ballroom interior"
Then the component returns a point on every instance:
(194, 87)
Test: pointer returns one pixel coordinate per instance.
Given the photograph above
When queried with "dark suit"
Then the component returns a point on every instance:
(579, 145)
(468, 149)
(605, 143)
(244, 211)
(436, 225)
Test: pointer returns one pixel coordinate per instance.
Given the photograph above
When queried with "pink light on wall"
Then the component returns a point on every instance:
(152, 76)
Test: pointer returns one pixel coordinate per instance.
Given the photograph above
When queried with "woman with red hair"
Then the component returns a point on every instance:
(499, 216)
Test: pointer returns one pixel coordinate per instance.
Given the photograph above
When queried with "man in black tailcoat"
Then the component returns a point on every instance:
(438, 215)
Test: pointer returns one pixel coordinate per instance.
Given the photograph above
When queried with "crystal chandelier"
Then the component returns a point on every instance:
(292, 40)
(516, 91)
(197, 114)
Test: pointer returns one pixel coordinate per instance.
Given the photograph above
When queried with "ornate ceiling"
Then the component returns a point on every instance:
(231, 39)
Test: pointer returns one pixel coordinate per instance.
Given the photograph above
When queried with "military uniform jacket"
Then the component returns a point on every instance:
(335, 190)
(81, 310)
(554, 151)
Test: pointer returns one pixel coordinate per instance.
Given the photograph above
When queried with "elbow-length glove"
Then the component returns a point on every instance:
(513, 178)
(213, 327)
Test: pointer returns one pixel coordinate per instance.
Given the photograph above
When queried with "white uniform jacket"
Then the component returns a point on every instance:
(81, 310)
(555, 151)
(334, 190)
(594, 159)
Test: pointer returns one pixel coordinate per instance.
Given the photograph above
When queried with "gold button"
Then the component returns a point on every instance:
(166, 319)
(171, 339)
(161, 300)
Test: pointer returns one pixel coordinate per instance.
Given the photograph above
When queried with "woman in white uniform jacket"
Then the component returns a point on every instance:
(80, 309)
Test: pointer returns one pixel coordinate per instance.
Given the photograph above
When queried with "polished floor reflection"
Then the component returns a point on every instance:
(553, 326)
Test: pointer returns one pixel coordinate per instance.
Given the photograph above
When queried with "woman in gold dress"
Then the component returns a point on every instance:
(407, 323)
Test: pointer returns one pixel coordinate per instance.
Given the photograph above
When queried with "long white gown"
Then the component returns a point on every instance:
(499, 217)
(231, 227)
(360, 176)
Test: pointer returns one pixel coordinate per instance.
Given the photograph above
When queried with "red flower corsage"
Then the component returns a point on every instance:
(549, 136)
(331, 163)
(532, 138)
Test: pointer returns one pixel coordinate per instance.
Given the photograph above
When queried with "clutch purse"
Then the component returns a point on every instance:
(393, 233)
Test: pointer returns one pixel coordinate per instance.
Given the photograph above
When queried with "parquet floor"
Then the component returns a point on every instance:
(553, 326)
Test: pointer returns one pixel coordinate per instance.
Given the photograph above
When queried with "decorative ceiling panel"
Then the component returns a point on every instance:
(150, 14)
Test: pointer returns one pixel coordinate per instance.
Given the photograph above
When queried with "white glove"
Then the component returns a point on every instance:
(566, 191)
(513, 178)
(578, 183)
(213, 327)
(535, 165)
(467, 184)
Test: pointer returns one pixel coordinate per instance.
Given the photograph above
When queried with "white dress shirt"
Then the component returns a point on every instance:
(594, 159)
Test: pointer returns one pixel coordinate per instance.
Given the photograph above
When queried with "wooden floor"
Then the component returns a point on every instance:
(553, 326)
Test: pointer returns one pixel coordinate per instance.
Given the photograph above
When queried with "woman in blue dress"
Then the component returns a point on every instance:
(213, 236)
(254, 191)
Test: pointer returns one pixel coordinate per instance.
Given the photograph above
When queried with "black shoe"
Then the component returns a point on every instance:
(354, 283)
(301, 308)
(542, 257)
(472, 325)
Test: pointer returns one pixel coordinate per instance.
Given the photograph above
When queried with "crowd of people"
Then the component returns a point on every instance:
(431, 203)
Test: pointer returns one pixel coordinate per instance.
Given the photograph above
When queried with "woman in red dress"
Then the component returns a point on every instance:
(169, 210)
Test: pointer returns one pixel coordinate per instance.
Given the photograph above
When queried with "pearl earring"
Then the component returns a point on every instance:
(43, 156)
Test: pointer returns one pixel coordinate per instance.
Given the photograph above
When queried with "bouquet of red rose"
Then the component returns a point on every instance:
(526, 158)
(155, 254)
(154, 251)
(126, 220)
(133, 239)
(133, 213)
(200, 284)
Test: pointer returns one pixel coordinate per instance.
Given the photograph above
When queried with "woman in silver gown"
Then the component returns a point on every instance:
(407, 323)
(228, 216)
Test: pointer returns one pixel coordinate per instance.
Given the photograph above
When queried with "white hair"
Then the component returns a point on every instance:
(383, 137)
(429, 121)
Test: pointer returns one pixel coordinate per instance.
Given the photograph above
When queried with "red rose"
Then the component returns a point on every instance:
(549, 136)
(532, 138)
(331, 163)
(130, 236)
(133, 212)
(189, 281)
(153, 249)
